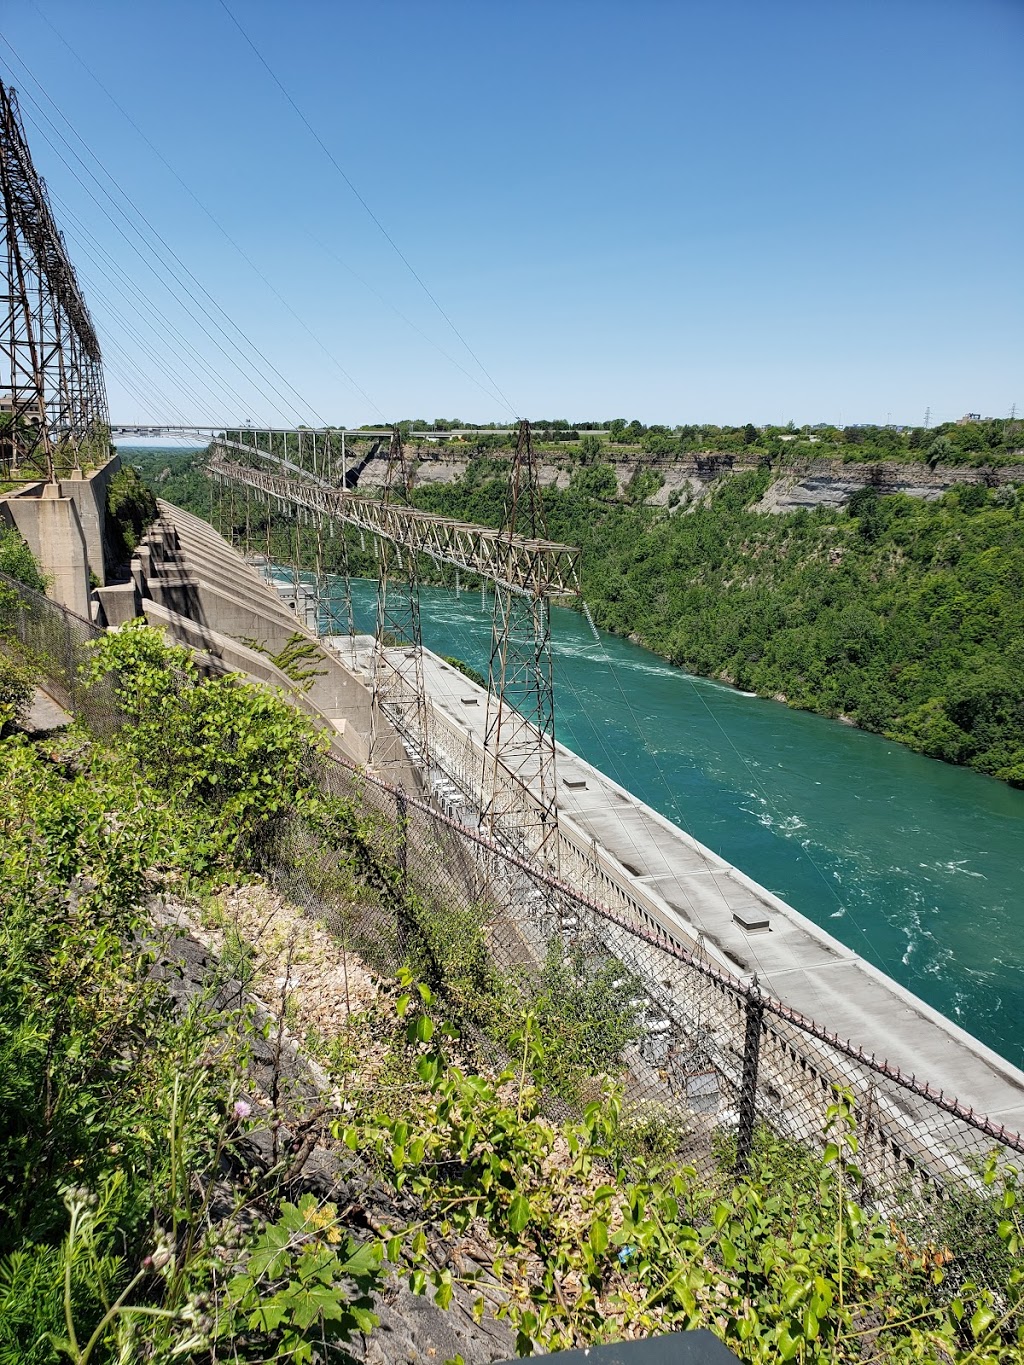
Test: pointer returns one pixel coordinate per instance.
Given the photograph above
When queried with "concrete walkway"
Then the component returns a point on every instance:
(44, 714)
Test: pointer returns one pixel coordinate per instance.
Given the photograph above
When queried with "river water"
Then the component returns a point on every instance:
(912, 863)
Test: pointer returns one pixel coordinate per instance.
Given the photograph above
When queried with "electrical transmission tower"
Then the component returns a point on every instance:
(519, 738)
(398, 692)
(517, 778)
(53, 403)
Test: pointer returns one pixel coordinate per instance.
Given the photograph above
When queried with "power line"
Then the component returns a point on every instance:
(145, 308)
(490, 392)
(192, 293)
(209, 213)
(329, 251)
(376, 221)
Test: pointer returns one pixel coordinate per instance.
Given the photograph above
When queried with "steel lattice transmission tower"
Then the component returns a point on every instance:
(519, 739)
(398, 691)
(517, 788)
(53, 402)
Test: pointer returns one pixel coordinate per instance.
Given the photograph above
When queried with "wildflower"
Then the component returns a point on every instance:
(242, 1110)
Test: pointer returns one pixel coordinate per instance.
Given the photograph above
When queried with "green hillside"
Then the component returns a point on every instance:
(905, 617)
(902, 616)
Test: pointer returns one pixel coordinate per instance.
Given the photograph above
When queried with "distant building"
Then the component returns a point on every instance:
(969, 417)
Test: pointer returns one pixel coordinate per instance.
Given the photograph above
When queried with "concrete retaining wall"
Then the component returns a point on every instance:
(65, 526)
(49, 524)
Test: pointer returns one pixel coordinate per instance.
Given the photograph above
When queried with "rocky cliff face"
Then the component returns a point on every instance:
(799, 483)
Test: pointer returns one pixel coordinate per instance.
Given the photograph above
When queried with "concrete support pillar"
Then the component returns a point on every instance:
(51, 528)
(89, 492)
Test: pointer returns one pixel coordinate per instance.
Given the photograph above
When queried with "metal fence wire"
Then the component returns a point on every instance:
(723, 1065)
(53, 638)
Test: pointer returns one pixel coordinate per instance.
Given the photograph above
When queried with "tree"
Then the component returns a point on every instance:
(597, 481)
(16, 560)
(659, 443)
(590, 448)
(940, 450)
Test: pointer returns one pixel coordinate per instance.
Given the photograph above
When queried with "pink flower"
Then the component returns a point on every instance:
(242, 1110)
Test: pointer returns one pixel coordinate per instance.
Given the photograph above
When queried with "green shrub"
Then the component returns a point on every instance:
(131, 508)
(17, 560)
(16, 687)
(224, 745)
(466, 670)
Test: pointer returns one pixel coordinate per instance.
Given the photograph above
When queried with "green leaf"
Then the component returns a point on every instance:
(518, 1214)
(982, 1319)
(428, 1068)
(361, 1262)
(788, 1345)
(599, 1237)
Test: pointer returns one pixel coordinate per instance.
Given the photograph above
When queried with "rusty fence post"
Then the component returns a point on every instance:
(754, 1009)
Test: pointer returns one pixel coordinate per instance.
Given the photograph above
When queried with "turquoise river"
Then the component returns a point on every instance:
(912, 863)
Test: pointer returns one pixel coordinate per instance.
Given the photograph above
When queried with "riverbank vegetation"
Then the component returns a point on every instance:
(978, 443)
(903, 616)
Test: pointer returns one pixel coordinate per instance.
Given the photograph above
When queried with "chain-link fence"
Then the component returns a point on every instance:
(52, 638)
(724, 1068)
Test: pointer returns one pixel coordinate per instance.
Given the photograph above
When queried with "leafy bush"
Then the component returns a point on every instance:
(589, 1244)
(17, 560)
(116, 1114)
(236, 750)
(16, 686)
(465, 669)
(131, 508)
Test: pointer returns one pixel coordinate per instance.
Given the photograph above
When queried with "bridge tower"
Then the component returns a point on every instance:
(53, 402)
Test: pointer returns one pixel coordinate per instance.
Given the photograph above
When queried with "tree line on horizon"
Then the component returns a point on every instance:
(984, 441)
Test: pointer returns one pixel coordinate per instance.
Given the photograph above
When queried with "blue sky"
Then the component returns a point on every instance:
(704, 210)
